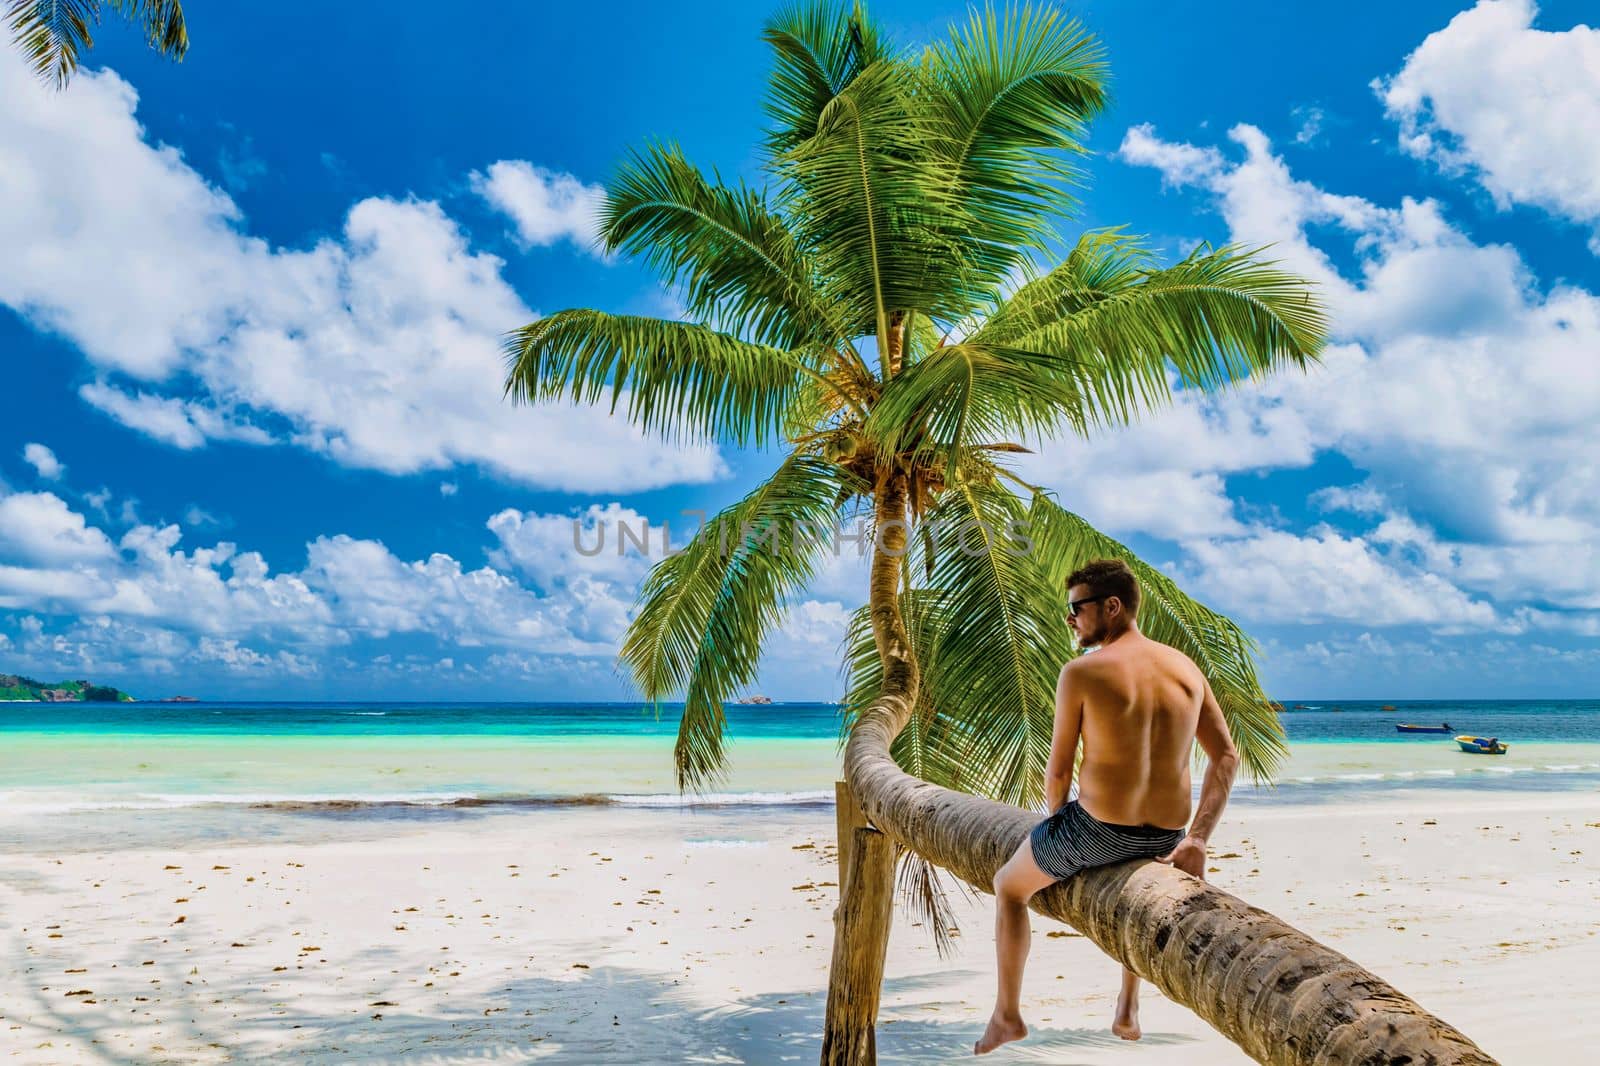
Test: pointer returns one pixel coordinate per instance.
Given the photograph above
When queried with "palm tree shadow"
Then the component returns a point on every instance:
(787, 1028)
(607, 1015)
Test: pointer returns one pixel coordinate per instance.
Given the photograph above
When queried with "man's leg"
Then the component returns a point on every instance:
(1126, 1022)
(1014, 886)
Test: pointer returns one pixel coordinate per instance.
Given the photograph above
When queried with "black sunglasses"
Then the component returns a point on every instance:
(1073, 605)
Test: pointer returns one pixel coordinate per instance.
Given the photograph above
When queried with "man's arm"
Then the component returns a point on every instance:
(1064, 739)
(1222, 763)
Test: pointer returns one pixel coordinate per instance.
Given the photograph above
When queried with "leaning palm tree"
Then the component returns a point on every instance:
(879, 312)
(53, 33)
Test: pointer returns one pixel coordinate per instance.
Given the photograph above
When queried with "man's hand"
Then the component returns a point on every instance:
(1189, 856)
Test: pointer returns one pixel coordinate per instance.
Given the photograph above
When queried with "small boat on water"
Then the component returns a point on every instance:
(1407, 727)
(1481, 745)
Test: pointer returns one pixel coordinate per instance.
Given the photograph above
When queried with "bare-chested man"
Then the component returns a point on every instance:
(1138, 706)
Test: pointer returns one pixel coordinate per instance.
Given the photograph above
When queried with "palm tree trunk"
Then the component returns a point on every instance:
(1278, 994)
(866, 895)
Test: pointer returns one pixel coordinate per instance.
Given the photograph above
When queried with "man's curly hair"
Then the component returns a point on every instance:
(1109, 577)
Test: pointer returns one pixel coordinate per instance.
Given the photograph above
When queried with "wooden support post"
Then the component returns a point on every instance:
(849, 816)
(860, 942)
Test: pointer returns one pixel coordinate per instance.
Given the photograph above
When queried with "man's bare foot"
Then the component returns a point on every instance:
(1126, 1022)
(1000, 1031)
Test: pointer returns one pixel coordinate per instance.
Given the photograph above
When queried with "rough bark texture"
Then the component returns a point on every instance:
(1281, 996)
(866, 892)
(860, 942)
(849, 817)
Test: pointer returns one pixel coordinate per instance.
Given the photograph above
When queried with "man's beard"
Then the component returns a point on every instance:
(1088, 639)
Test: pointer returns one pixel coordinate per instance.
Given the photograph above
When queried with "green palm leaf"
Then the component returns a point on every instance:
(880, 221)
(818, 49)
(729, 252)
(54, 33)
(989, 641)
(1211, 320)
(1064, 542)
(961, 394)
(1015, 91)
(681, 380)
(1093, 343)
(705, 612)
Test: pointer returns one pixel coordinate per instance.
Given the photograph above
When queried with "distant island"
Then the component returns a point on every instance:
(756, 699)
(15, 688)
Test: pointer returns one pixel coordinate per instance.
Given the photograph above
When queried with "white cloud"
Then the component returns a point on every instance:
(39, 527)
(1277, 576)
(1362, 499)
(609, 542)
(812, 628)
(43, 461)
(448, 488)
(1311, 120)
(1515, 106)
(53, 562)
(546, 205)
(185, 424)
(1465, 393)
(1179, 164)
(379, 347)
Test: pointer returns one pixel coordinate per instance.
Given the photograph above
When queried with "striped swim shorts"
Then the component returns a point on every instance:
(1072, 839)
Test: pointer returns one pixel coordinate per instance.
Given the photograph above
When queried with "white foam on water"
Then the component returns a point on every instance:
(721, 799)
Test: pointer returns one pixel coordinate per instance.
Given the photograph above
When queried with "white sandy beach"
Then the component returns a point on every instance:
(635, 936)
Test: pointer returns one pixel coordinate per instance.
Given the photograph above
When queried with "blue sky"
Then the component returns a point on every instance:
(254, 444)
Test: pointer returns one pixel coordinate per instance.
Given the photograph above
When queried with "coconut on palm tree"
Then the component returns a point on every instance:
(884, 309)
(52, 34)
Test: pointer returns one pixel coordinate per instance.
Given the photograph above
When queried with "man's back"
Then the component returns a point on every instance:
(1141, 707)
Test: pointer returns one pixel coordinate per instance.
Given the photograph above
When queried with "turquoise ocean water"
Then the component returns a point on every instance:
(387, 759)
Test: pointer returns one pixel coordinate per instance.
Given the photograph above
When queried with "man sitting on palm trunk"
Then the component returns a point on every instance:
(1138, 706)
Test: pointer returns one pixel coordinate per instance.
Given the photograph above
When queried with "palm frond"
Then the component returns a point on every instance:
(1212, 320)
(1104, 263)
(162, 22)
(1014, 91)
(880, 218)
(728, 250)
(704, 613)
(923, 896)
(681, 380)
(987, 635)
(961, 394)
(53, 34)
(1225, 654)
(818, 49)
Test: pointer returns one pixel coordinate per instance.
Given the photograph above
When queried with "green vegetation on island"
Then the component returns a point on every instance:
(14, 687)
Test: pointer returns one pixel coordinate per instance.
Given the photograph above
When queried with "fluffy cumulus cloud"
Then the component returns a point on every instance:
(1463, 390)
(1515, 106)
(378, 347)
(39, 527)
(545, 206)
(43, 461)
(156, 600)
(546, 609)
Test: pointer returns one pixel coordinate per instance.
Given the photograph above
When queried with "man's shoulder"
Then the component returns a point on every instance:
(1154, 653)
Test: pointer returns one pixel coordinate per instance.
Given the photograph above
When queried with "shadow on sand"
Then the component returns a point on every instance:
(607, 1015)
